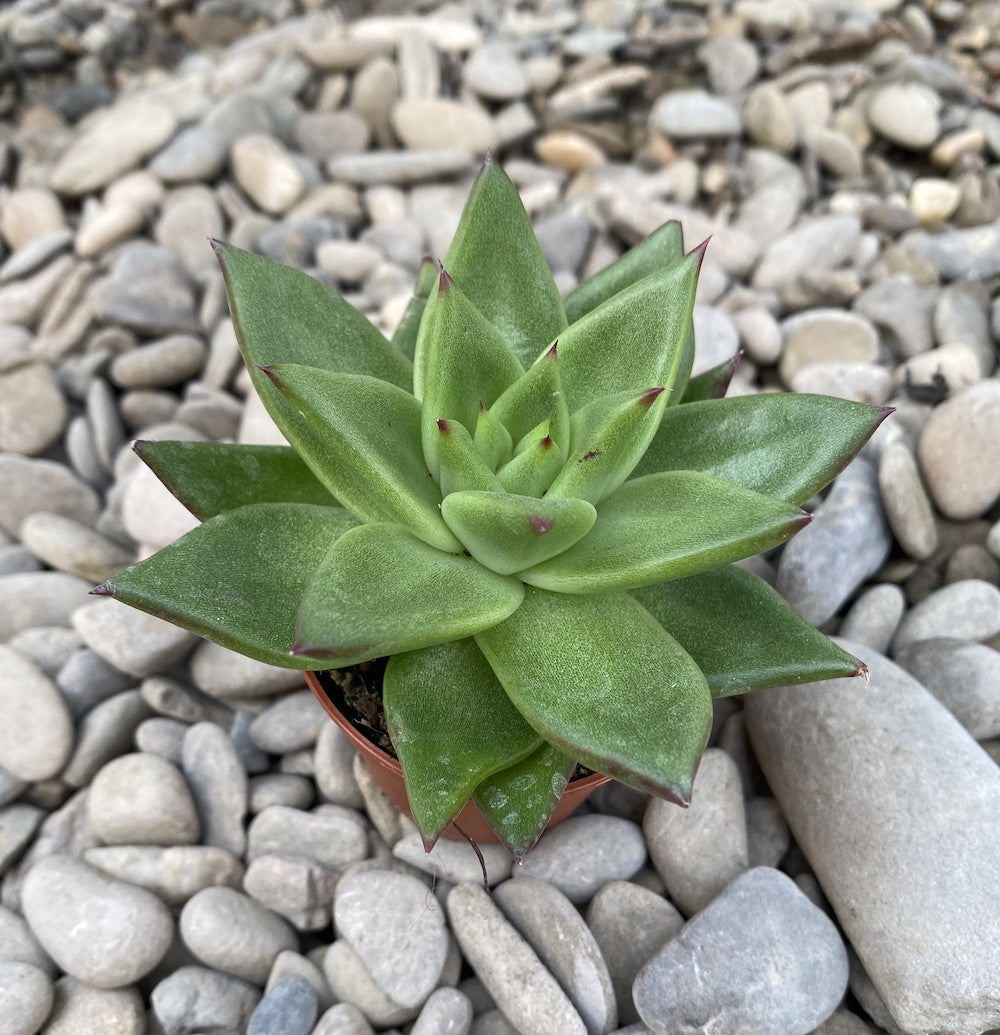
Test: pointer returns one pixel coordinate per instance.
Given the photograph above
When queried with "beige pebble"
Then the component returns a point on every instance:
(956, 364)
(426, 123)
(107, 227)
(33, 411)
(952, 146)
(907, 506)
(933, 200)
(28, 214)
(265, 170)
(826, 336)
(567, 150)
(906, 114)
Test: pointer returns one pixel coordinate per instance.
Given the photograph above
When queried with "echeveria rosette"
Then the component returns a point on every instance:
(525, 501)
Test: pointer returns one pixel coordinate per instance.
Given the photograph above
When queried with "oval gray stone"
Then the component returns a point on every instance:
(31, 485)
(332, 836)
(966, 610)
(101, 931)
(351, 983)
(289, 1007)
(761, 957)
(198, 999)
(219, 785)
(79, 1008)
(891, 750)
(38, 598)
(25, 998)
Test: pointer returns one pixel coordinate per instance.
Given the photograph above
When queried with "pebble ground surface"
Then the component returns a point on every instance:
(186, 844)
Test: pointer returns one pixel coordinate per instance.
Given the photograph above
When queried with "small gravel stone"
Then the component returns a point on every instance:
(74, 548)
(290, 724)
(967, 610)
(294, 887)
(25, 997)
(343, 1019)
(874, 617)
(190, 214)
(693, 114)
(959, 452)
(761, 957)
(888, 749)
(959, 254)
(517, 979)
(223, 673)
(34, 413)
(493, 72)
(907, 114)
(934, 200)
(296, 792)
(428, 123)
(105, 732)
(36, 728)
(699, 850)
(453, 860)
(331, 836)
(19, 945)
(907, 508)
(142, 799)
(903, 309)
(826, 336)
(334, 768)
(581, 854)
(847, 541)
(551, 925)
(99, 930)
(963, 676)
(174, 873)
(350, 982)
(289, 1007)
(231, 932)
(131, 640)
(768, 837)
(29, 213)
(349, 261)
(79, 1008)
(196, 153)
(219, 785)
(447, 1010)
(160, 364)
(195, 999)
(267, 172)
(399, 167)
(822, 243)
(33, 599)
(34, 485)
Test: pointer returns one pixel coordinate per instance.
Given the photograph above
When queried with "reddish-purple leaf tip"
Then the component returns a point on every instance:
(445, 282)
(540, 524)
(553, 352)
(444, 427)
(546, 443)
(862, 670)
(701, 249)
(103, 590)
(649, 397)
(268, 371)
(489, 158)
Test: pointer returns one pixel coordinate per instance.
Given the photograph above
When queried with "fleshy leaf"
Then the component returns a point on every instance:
(461, 465)
(535, 397)
(742, 633)
(452, 727)
(633, 340)
(495, 259)
(601, 680)
(507, 533)
(713, 383)
(371, 458)
(492, 440)
(461, 362)
(661, 249)
(405, 338)
(783, 445)
(237, 579)
(211, 477)
(518, 801)
(282, 315)
(684, 369)
(381, 591)
(666, 526)
(531, 472)
(608, 438)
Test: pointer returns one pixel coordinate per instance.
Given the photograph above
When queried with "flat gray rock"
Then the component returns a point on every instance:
(289, 1007)
(885, 793)
(219, 785)
(296, 888)
(446, 1012)
(519, 982)
(80, 1008)
(555, 930)
(405, 951)
(760, 958)
(452, 860)
(31, 485)
(965, 610)
(352, 984)
(332, 836)
(25, 997)
(29, 599)
(198, 999)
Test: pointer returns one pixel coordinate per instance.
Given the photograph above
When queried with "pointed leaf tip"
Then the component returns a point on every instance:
(103, 590)
(540, 524)
(546, 443)
(862, 670)
(445, 281)
(553, 352)
(648, 398)
(444, 427)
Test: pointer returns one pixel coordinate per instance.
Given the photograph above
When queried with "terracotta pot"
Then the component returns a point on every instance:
(388, 776)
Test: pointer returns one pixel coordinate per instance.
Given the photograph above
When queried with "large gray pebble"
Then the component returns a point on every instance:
(405, 951)
(927, 939)
(906, 113)
(847, 541)
(687, 114)
(903, 309)
(699, 850)
(35, 410)
(194, 999)
(289, 1007)
(351, 983)
(18, 824)
(630, 924)
(517, 979)
(219, 783)
(332, 836)
(106, 731)
(290, 724)
(38, 598)
(101, 931)
(965, 610)
(875, 616)
(972, 254)
(963, 676)
(196, 154)
(72, 547)
(294, 887)
(222, 673)
(25, 998)
(32, 485)
(907, 507)
(231, 932)
(822, 243)
(761, 957)
(86, 680)
(553, 927)
(581, 854)
(79, 1008)
(174, 873)
(19, 945)
(446, 1012)
(36, 728)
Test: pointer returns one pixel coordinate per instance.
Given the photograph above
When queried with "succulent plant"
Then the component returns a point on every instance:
(525, 501)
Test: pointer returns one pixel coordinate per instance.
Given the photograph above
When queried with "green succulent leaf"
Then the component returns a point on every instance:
(380, 590)
(461, 363)
(608, 438)
(452, 727)
(492, 440)
(495, 259)
(684, 369)
(518, 801)
(460, 464)
(663, 248)
(282, 315)
(742, 633)
(601, 680)
(371, 458)
(532, 471)
(713, 383)
(507, 533)
(237, 579)
(535, 397)
(666, 526)
(647, 322)
(212, 477)
(405, 338)
(783, 445)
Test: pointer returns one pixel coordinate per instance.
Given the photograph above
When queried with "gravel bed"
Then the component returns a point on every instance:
(186, 843)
